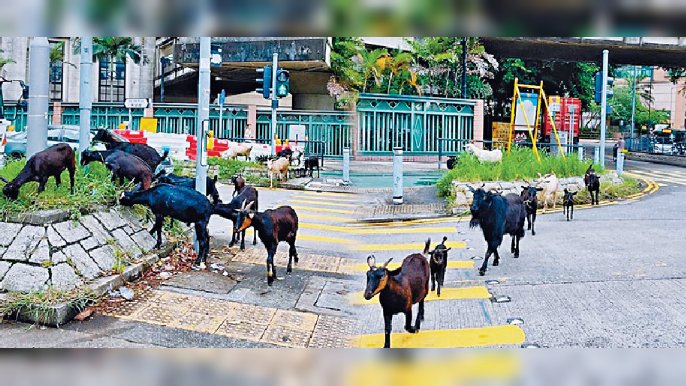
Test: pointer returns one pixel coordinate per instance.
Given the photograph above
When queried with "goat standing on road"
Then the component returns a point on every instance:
(230, 212)
(273, 226)
(497, 215)
(238, 184)
(49, 162)
(568, 204)
(530, 201)
(180, 203)
(438, 264)
(592, 182)
(399, 289)
(551, 187)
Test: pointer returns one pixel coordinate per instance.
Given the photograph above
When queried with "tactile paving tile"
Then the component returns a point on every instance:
(333, 332)
(198, 322)
(347, 266)
(159, 314)
(303, 321)
(284, 336)
(124, 309)
(242, 330)
(251, 314)
(214, 307)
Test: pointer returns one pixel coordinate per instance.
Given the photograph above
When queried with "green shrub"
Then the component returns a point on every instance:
(230, 167)
(91, 188)
(519, 164)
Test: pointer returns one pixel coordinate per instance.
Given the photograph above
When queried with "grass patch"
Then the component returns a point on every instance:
(519, 164)
(40, 303)
(91, 188)
(253, 172)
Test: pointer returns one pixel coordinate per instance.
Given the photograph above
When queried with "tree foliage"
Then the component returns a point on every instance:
(4, 60)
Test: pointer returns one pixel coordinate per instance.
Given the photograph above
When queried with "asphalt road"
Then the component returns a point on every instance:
(612, 277)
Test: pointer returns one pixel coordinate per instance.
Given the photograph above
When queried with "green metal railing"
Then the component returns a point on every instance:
(413, 123)
(333, 128)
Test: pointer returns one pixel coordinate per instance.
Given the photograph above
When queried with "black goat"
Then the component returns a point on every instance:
(238, 183)
(88, 156)
(311, 163)
(273, 226)
(497, 215)
(144, 152)
(530, 200)
(177, 202)
(568, 204)
(438, 264)
(592, 182)
(122, 165)
(189, 182)
(230, 212)
(399, 289)
(451, 162)
(49, 162)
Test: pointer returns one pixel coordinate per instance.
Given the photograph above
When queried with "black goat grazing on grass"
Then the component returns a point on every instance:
(273, 226)
(438, 264)
(230, 212)
(568, 204)
(177, 202)
(122, 165)
(592, 182)
(143, 151)
(189, 182)
(238, 184)
(530, 200)
(497, 215)
(49, 162)
(399, 289)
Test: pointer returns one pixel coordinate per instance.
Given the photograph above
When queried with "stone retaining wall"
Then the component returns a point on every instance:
(463, 197)
(49, 251)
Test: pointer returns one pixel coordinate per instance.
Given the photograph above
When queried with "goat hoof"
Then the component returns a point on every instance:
(496, 263)
(482, 272)
(411, 330)
(516, 256)
(533, 233)
(433, 288)
(289, 269)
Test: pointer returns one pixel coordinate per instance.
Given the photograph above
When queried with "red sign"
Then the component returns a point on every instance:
(567, 117)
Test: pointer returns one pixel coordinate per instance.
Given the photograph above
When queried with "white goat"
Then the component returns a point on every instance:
(550, 185)
(235, 150)
(484, 155)
(278, 166)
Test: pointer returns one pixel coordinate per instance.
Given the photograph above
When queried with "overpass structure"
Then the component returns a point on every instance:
(645, 51)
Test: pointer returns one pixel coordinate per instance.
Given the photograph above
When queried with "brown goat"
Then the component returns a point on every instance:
(49, 162)
(399, 289)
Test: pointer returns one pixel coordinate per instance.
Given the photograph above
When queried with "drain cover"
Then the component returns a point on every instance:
(530, 345)
(515, 321)
(492, 282)
(476, 258)
(501, 299)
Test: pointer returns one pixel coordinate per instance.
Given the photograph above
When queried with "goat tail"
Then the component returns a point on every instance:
(427, 246)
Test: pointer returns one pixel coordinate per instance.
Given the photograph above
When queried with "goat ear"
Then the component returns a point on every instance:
(471, 188)
(387, 262)
(371, 261)
(449, 249)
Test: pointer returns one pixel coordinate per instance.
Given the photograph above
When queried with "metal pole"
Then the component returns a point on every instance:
(39, 69)
(397, 175)
(581, 153)
(603, 108)
(203, 115)
(633, 105)
(162, 80)
(464, 67)
(620, 163)
(85, 92)
(275, 100)
(221, 119)
(346, 164)
(130, 125)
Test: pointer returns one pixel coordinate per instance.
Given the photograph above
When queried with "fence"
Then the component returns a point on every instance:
(413, 123)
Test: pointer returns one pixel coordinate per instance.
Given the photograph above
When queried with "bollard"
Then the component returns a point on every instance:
(596, 155)
(620, 163)
(580, 153)
(397, 175)
(346, 165)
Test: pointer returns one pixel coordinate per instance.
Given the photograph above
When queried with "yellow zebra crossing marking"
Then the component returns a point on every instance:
(328, 198)
(325, 239)
(325, 210)
(405, 247)
(309, 202)
(374, 231)
(447, 293)
(455, 264)
(321, 217)
(457, 338)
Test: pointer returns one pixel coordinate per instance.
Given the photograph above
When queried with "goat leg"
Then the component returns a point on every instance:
(41, 184)
(408, 321)
(516, 253)
(496, 259)
(533, 223)
(482, 270)
(387, 319)
(242, 235)
(433, 281)
(420, 317)
(512, 244)
(58, 180)
(71, 179)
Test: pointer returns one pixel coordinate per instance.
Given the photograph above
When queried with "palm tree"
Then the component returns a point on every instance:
(112, 49)
(398, 64)
(372, 64)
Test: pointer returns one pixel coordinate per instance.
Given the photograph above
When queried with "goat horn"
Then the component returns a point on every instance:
(250, 205)
(3, 179)
(243, 205)
(371, 261)
(386, 263)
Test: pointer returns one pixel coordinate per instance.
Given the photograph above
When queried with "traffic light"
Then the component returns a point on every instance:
(599, 87)
(283, 85)
(265, 82)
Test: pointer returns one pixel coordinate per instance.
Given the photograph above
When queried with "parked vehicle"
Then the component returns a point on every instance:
(16, 142)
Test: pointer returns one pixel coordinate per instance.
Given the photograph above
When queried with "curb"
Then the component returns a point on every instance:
(403, 218)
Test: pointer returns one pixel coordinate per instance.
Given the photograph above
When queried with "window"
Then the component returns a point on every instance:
(112, 83)
(56, 70)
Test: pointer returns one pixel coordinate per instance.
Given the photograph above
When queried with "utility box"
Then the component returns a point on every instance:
(566, 113)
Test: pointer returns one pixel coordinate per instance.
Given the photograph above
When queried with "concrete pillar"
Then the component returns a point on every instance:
(39, 65)
(251, 125)
(85, 93)
(620, 163)
(479, 123)
(355, 133)
(56, 113)
(203, 115)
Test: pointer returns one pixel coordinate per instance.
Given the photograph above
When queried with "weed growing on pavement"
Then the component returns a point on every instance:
(41, 304)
